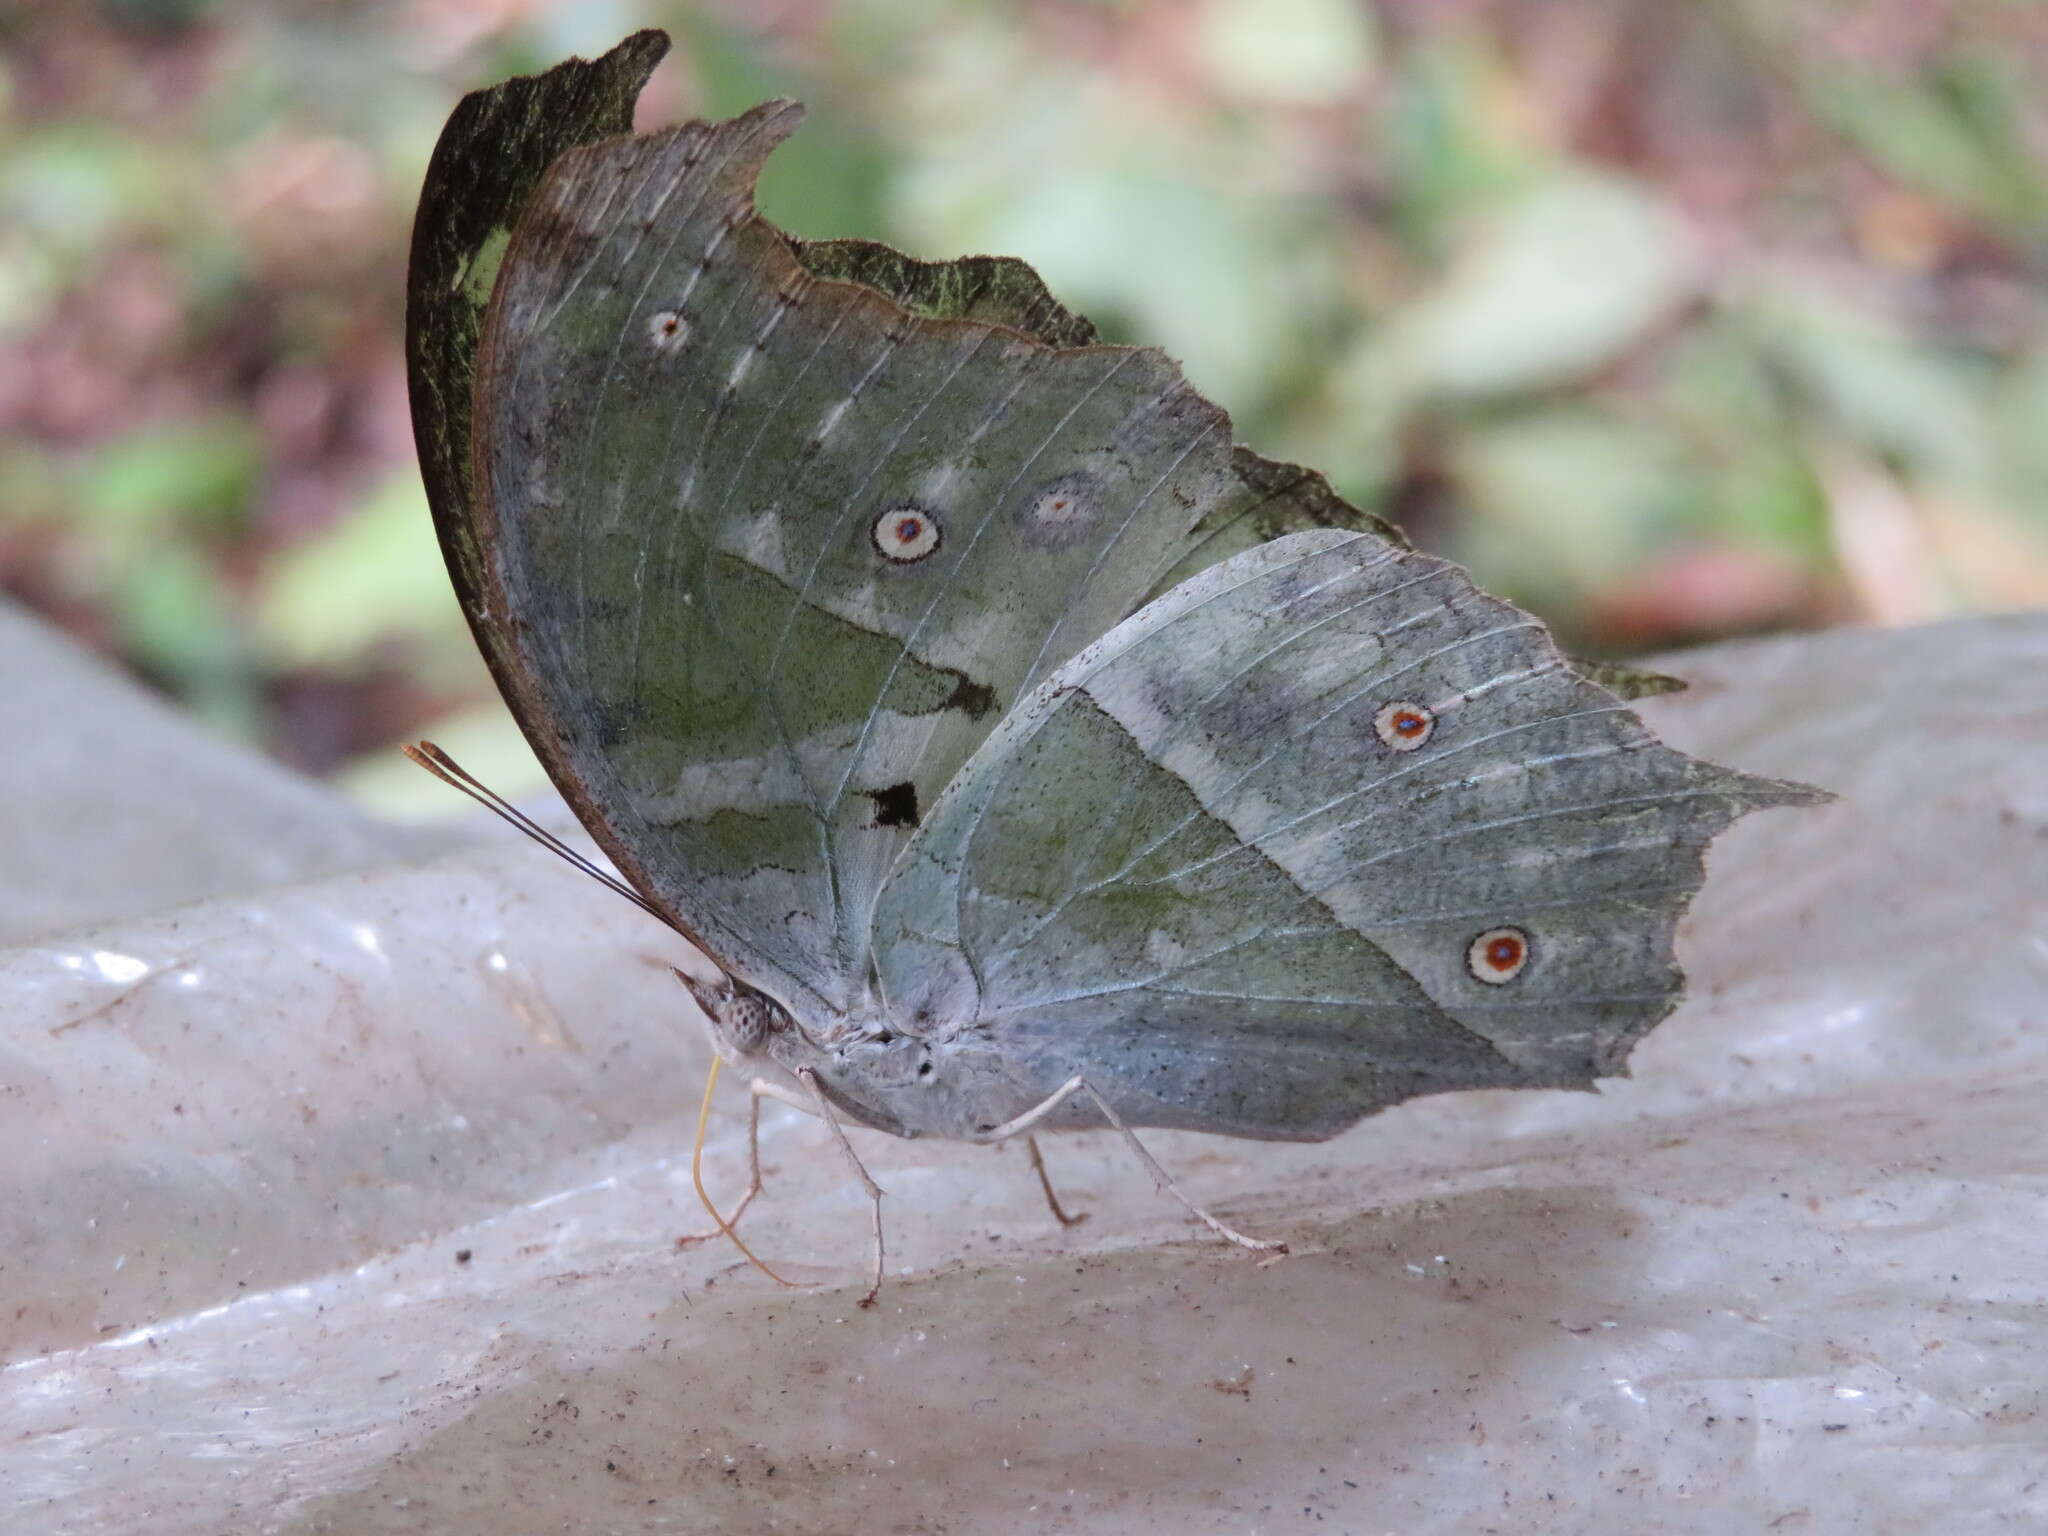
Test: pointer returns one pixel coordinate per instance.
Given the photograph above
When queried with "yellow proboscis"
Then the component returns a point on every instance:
(697, 1176)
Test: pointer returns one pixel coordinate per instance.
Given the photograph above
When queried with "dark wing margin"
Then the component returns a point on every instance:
(1001, 290)
(1625, 681)
(1272, 499)
(491, 155)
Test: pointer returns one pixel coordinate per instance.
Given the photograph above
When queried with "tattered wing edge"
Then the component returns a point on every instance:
(520, 133)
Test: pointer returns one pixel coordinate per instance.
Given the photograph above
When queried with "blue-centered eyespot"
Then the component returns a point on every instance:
(1498, 956)
(906, 534)
(1404, 725)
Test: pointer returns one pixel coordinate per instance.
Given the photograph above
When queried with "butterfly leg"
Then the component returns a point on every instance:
(874, 1191)
(1045, 1183)
(1077, 1085)
(760, 1088)
(753, 1175)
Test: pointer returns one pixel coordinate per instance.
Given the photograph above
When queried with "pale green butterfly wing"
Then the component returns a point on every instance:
(1324, 828)
(774, 533)
(666, 522)
(763, 537)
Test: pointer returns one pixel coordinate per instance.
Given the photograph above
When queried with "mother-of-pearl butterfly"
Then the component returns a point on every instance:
(1023, 753)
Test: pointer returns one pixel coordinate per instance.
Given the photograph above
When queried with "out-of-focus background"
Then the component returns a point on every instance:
(1674, 319)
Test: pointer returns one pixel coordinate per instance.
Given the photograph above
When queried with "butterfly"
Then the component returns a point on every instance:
(1024, 753)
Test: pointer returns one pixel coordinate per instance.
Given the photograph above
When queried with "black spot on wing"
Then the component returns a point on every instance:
(974, 699)
(895, 806)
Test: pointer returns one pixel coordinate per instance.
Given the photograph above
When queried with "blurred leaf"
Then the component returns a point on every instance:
(1882, 544)
(65, 191)
(1452, 136)
(1353, 431)
(191, 477)
(1955, 134)
(1557, 283)
(375, 576)
(1169, 264)
(1724, 403)
(1565, 501)
(825, 182)
(1769, 498)
(180, 628)
(1991, 558)
(2020, 423)
(588, 28)
(32, 485)
(165, 17)
(69, 184)
(1298, 51)
(1909, 403)
(1216, 274)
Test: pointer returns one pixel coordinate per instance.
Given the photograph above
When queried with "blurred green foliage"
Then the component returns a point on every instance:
(1672, 319)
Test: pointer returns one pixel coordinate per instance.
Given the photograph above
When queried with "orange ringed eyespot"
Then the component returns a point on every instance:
(905, 535)
(1404, 725)
(1497, 956)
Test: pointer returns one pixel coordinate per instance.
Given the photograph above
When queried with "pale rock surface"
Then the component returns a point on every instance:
(348, 1204)
(112, 805)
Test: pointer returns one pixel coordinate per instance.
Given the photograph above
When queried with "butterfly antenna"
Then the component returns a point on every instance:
(452, 773)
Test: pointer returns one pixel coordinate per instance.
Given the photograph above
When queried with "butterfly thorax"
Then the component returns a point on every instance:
(946, 1082)
(955, 1087)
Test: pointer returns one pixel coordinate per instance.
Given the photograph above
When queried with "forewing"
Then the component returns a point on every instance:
(773, 551)
(1236, 861)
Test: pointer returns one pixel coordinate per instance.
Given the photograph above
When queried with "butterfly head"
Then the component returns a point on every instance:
(742, 1019)
(870, 1071)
